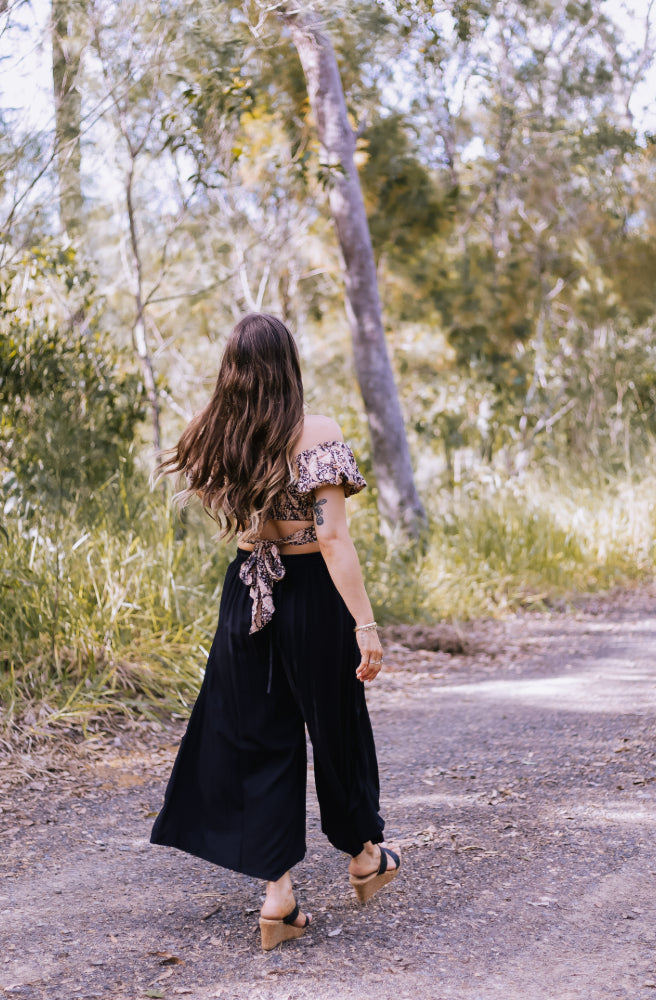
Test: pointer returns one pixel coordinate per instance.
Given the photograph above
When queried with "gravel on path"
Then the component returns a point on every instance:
(518, 779)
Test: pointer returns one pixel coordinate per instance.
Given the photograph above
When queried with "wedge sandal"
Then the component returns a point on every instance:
(275, 931)
(366, 885)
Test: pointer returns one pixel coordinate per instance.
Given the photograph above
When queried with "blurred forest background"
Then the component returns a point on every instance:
(169, 178)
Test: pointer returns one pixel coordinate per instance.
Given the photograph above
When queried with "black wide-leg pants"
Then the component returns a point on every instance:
(236, 796)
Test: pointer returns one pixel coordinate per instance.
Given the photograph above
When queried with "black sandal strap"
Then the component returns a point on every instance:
(291, 917)
(384, 851)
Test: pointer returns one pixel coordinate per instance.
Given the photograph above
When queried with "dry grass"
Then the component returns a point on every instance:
(105, 622)
(116, 622)
(494, 548)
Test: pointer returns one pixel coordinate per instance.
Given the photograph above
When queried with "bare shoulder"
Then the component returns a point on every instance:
(317, 429)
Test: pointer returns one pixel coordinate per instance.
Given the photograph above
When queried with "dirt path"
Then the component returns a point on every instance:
(519, 781)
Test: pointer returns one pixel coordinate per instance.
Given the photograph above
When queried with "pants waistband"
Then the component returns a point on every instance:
(242, 555)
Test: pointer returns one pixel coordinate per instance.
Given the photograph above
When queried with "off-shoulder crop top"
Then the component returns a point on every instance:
(331, 463)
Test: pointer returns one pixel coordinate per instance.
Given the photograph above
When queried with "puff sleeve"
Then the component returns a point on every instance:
(329, 464)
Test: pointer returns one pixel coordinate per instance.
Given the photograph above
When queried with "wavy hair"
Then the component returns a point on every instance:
(236, 453)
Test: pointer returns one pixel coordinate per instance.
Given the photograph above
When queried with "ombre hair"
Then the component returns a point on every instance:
(236, 453)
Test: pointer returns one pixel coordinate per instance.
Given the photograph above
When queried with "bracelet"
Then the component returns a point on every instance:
(369, 627)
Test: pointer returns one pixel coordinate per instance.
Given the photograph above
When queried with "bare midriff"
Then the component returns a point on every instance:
(290, 528)
(274, 531)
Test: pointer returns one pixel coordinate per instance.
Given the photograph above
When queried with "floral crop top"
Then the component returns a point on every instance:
(331, 463)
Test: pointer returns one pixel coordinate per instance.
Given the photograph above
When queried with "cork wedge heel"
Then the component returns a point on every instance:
(366, 885)
(275, 931)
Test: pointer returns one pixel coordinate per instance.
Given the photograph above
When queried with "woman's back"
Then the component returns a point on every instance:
(317, 430)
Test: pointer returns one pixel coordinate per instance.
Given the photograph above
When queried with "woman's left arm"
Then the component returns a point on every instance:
(343, 565)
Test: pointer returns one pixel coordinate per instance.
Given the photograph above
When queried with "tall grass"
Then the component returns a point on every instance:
(104, 620)
(494, 548)
(117, 618)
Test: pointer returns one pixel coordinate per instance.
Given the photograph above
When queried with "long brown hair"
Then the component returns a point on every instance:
(236, 453)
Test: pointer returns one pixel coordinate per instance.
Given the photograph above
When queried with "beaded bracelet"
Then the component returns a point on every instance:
(369, 627)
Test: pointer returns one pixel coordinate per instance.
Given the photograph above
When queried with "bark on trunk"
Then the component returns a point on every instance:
(67, 44)
(399, 502)
(139, 340)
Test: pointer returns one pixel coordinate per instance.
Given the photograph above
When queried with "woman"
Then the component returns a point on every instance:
(295, 639)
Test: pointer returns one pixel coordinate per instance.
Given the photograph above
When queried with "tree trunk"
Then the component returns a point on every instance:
(67, 44)
(399, 502)
(139, 341)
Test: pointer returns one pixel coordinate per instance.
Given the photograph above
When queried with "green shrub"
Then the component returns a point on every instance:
(99, 621)
(118, 617)
(70, 404)
(498, 548)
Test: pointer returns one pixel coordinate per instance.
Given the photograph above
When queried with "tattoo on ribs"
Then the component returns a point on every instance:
(318, 513)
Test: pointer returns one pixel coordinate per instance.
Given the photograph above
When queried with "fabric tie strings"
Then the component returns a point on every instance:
(259, 572)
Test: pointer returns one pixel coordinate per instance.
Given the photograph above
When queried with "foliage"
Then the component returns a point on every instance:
(110, 619)
(69, 404)
(118, 619)
(511, 202)
(404, 204)
(498, 547)
(531, 295)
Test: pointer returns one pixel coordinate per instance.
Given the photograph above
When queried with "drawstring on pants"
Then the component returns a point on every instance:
(270, 661)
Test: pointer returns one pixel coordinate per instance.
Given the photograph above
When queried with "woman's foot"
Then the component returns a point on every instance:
(368, 861)
(279, 902)
(373, 868)
(280, 918)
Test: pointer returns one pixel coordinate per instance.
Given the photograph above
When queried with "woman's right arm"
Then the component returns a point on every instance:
(339, 553)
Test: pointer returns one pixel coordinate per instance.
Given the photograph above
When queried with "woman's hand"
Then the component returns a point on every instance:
(372, 655)
(343, 565)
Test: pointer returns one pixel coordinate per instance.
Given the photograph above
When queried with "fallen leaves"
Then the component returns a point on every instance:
(421, 838)
(166, 958)
(434, 638)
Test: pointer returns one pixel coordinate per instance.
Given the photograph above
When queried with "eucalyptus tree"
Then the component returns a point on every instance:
(522, 110)
(206, 224)
(28, 188)
(135, 76)
(68, 39)
(398, 498)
